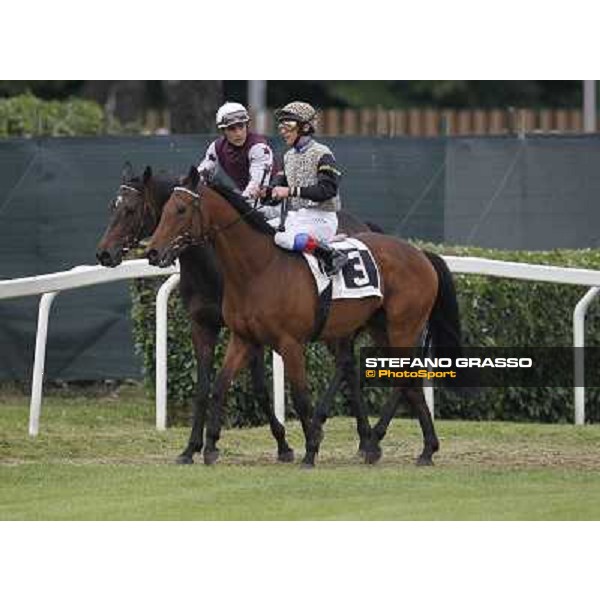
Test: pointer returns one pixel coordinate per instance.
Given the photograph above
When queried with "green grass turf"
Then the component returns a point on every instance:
(100, 458)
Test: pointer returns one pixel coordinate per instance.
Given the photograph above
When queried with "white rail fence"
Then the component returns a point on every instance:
(48, 286)
(51, 285)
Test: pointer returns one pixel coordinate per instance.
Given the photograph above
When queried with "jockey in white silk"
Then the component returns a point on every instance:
(309, 181)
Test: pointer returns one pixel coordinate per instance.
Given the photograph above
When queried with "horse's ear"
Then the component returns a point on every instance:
(194, 176)
(147, 176)
(127, 172)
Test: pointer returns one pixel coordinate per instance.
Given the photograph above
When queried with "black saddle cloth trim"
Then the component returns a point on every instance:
(322, 312)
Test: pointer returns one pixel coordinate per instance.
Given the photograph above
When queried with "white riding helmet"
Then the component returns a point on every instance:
(231, 113)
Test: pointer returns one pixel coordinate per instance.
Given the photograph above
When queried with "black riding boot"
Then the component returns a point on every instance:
(331, 259)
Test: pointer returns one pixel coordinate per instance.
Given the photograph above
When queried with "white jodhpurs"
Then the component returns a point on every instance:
(319, 224)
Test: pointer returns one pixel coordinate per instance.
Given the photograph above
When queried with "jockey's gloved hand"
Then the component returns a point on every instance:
(266, 197)
(205, 176)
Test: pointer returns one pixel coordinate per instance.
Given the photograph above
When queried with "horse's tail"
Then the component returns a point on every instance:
(444, 321)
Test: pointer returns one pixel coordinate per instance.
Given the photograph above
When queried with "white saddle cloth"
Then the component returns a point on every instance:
(358, 279)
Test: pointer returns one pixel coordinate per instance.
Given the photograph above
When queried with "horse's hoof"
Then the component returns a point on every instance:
(308, 462)
(211, 457)
(424, 461)
(372, 456)
(184, 459)
(286, 457)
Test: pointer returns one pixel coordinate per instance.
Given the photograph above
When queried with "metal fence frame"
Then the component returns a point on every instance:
(50, 285)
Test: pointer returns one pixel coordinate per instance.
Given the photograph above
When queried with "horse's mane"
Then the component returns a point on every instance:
(237, 201)
(163, 183)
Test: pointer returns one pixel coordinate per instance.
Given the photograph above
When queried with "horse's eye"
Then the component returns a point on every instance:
(129, 210)
(180, 210)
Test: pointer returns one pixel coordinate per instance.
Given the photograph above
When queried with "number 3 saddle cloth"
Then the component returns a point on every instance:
(359, 277)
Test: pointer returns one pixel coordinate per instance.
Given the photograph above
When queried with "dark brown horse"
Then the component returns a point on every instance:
(270, 300)
(135, 214)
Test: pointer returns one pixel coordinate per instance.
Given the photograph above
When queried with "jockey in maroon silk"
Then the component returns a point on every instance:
(244, 156)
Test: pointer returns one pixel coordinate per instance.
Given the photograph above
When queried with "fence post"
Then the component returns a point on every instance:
(366, 121)
(576, 120)
(431, 122)
(464, 122)
(480, 122)
(546, 124)
(162, 304)
(349, 122)
(400, 122)
(428, 392)
(579, 342)
(278, 388)
(447, 122)
(39, 362)
(414, 122)
(561, 117)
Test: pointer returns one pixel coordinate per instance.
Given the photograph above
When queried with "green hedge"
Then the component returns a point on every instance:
(26, 115)
(494, 312)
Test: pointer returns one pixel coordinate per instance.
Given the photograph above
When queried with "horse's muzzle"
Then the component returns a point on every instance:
(161, 259)
(110, 257)
(153, 257)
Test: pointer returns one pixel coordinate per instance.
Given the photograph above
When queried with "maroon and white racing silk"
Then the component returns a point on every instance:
(245, 165)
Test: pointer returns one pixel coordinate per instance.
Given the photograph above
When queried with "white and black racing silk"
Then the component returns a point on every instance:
(302, 167)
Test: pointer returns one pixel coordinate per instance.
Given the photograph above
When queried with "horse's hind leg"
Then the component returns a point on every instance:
(257, 371)
(431, 444)
(345, 372)
(204, 341)
(405, 338)
(413, 392)
(352, 392)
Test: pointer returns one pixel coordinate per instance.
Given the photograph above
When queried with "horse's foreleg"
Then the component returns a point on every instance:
(415, 397)
(204, 341)
(236, 357)
(413, 392)
(295, 369)
(323, 406)
(257, 371)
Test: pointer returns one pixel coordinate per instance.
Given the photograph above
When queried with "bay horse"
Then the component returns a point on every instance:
(270, 299)
(135, 214)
